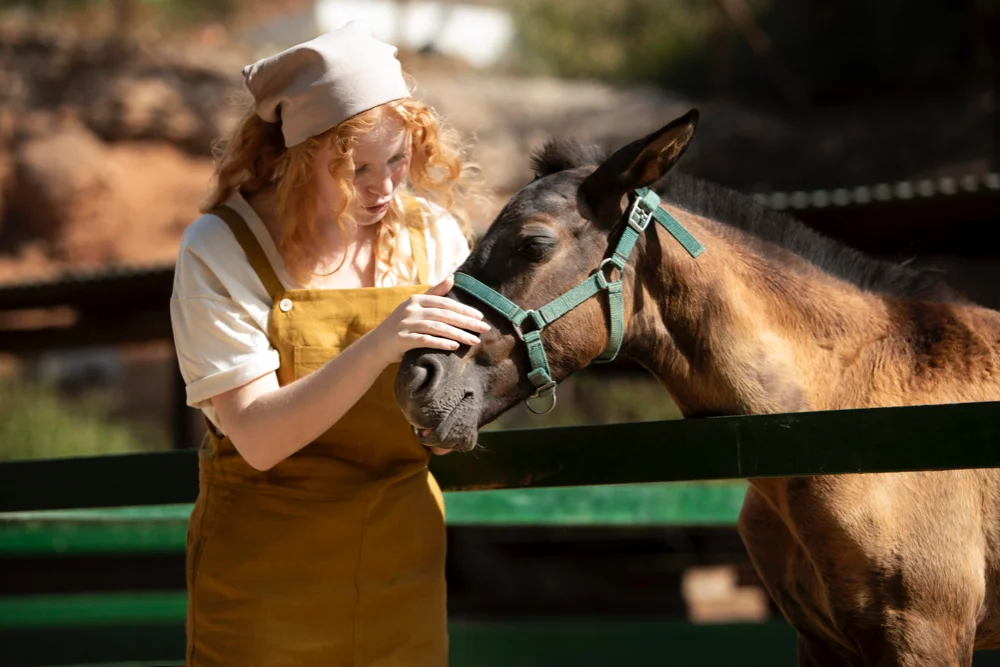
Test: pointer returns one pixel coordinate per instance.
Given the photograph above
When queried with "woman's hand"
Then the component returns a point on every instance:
(429, 320)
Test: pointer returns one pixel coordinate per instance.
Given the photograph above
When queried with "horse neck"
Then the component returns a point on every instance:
(737, 332)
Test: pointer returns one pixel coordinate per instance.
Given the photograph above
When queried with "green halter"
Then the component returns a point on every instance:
(645, 206)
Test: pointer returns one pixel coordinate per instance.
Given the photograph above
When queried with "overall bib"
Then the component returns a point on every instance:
(336, 555)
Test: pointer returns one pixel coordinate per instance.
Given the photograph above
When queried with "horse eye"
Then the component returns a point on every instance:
(536, 248)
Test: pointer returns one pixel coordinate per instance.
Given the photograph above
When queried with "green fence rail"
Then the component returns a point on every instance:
(162, 528)
(147, 631)
(936, 437)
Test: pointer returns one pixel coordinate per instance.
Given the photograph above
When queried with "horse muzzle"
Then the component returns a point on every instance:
(441, 411)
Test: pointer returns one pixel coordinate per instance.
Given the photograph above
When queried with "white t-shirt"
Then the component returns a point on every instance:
(219, 308)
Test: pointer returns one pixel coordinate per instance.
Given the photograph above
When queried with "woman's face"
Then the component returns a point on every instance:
(381, 162)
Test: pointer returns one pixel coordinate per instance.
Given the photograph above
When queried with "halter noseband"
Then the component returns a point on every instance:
(645, 207)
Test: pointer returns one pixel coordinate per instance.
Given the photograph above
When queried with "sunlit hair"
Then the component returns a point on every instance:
(254, 156)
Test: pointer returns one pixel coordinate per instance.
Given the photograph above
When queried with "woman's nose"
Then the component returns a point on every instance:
(381, 185)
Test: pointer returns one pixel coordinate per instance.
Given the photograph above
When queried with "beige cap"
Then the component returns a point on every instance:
(315, 85)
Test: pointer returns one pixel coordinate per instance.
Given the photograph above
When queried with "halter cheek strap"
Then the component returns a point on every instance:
(645, 207)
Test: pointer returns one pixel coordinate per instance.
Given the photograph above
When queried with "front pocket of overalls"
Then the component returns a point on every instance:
(307, 358)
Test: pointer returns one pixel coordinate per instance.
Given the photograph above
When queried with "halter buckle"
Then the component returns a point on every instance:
(639, 216)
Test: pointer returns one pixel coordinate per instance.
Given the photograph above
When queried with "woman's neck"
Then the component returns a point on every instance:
(342, 263)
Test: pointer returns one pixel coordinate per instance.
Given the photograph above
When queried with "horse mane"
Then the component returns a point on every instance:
(752, 217)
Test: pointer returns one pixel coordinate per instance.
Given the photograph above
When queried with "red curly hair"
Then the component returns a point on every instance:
(254, 157)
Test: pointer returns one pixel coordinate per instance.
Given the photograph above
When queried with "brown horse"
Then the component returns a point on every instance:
(876, 569)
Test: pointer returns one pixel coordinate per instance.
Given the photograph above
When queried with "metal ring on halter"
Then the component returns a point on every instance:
(605, 262)
(534, 317)
(551, 384)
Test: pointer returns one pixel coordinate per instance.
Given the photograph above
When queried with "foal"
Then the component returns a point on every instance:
(875, 569)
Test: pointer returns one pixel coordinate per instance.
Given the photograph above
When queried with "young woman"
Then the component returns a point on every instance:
(318, 535)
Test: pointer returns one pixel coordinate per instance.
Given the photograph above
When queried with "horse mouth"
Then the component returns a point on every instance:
(456, 429)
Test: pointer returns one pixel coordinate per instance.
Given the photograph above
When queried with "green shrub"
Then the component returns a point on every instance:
(35, 423)
(827, 48)
(623, 40)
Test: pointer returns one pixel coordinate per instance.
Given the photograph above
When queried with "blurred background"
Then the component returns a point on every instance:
(874, 122)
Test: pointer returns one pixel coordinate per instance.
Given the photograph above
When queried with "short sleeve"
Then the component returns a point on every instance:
(447, 246)
(219, 311)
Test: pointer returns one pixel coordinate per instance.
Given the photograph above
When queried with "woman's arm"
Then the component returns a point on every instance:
(268, 423)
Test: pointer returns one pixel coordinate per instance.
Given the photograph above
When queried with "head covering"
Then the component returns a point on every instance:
(313, 86)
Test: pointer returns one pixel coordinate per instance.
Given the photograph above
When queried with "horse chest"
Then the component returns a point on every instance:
(841, 556)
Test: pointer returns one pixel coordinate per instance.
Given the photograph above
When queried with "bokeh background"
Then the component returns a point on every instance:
(875, 122)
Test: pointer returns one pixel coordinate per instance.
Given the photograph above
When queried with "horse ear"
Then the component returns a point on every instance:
(641, 162)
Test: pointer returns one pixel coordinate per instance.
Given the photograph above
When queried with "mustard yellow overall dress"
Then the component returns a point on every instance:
(336, 555)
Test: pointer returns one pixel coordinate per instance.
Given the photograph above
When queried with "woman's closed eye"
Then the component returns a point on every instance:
(364, 168)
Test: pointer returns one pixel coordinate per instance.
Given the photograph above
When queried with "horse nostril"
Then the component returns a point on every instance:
(426, 375)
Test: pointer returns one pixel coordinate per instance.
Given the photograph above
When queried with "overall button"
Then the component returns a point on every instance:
(285, 305)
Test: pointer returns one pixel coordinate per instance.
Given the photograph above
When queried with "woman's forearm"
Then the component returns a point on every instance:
(267, 423)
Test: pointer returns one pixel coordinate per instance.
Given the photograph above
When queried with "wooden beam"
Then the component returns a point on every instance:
(128, 326)
(118, 288)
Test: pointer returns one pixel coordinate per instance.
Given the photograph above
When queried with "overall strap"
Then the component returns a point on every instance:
(418, 243)
(251, 246)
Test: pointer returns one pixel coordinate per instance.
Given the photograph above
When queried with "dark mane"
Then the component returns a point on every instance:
(759, 220)
(767, 224)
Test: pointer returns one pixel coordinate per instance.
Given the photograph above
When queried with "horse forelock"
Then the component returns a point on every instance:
(564, 154)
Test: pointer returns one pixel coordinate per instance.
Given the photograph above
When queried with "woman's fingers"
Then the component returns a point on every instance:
(438, 329)
(445, 330)
(426, 301)
(436, 321)
(415, 340)
(456, 319)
